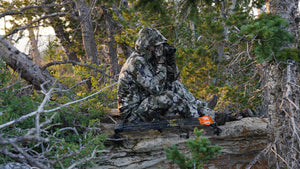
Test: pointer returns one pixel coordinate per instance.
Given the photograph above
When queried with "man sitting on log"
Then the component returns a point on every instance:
(148, 87)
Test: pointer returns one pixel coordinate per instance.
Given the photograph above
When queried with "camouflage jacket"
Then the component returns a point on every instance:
(139, 79)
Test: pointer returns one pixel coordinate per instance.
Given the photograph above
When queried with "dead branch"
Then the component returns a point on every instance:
(22, 139)
(72, 62)
(21, 11)
(84, 159)
(9, 86)
(79, 100)
(279, 157)
(16, 157)
(256, 158)
(29, 158)
(32, 22)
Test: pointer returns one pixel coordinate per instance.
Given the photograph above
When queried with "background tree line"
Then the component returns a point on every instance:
(246, 52)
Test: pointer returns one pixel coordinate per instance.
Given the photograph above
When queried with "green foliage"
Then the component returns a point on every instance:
(4, 73)
(12, 103)
(200, 149)
(289, 53)
(152, 6)
(269, 36)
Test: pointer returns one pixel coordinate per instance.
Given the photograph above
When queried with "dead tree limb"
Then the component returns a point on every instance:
(32, 22)
(72, 62)
(28, 70)
(21, 11)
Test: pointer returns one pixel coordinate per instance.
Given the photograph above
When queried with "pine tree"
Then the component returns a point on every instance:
(200, 149)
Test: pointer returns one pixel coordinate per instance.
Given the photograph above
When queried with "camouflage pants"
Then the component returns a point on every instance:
(177, 100)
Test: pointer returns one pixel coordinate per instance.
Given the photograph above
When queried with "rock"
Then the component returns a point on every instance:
(14, 166)
(240, 140)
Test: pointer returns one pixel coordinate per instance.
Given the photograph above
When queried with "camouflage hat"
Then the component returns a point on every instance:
(148, 37)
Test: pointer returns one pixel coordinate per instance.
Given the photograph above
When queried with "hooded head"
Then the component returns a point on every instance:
(148, 37)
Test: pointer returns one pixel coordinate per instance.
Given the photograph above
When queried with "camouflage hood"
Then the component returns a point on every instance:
(148, 37)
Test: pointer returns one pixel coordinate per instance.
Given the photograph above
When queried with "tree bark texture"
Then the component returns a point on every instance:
(111, 29)
(87, 31)
(284, 114)
(28, 70)
(283, 95)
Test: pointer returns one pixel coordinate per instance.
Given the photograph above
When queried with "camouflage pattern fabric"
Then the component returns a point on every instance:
(144, 92)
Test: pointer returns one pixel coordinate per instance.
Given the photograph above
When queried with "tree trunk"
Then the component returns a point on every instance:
(61, 35)
(87, 30)
(35, 53)
(111, 28)
(28, 70)
(283, 95)
(64, 39)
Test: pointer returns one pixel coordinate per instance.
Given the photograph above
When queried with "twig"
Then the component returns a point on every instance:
(294, 84)
(41, 107)
(32, 22)
(22, 139)
(9, 86)
(17, 157)
(84, 159)
(79, 100)
(258, 156)
(69, 61)
(21, 11)
(28, 157)
(280, 157)
(75, 131)
(112, 119)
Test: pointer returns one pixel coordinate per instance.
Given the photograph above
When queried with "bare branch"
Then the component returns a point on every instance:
(249, 166)
(9, 86)
(70, 61)
(32, 22)
(28, 157)
(17, 157)
(21, 11)
(79, 100)
(84, 159)
(280, 157)
(22, 139)
(41, 109)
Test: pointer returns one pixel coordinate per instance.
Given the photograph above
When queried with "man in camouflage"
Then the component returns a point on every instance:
(148, 85)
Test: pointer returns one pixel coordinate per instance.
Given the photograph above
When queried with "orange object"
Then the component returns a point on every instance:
(206, 120)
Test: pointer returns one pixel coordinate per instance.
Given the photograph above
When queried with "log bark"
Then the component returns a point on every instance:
(28, 70)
